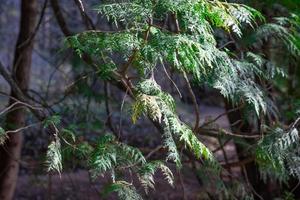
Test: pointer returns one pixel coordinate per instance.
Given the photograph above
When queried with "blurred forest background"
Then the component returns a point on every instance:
(47, 91)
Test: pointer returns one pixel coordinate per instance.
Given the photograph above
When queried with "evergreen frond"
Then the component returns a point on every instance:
(274, 154)
(230, 16)
(54, 119)
(195, 145)
(130, 13)
(3, 136)
(170, 145)
(125, 190)
(147, 171)
(172, 126)
(280, 33)
(53, 157)
(115, 157)
(109, 155)
(97, 43)
(189, 48)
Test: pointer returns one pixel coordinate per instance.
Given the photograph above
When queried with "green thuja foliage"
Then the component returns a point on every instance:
(160, 107)
(124, 190)
(147, 171)
(3, 136)
(107, 156)
(140, 44)
(110, 156)
(278, 154)
(54, 157)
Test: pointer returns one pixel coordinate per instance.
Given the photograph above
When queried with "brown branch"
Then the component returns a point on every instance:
(109, 122)
(221, 115)
(174, 15)
(13, 105)
(250, 185)
(87, 20)
(128, 63)
(295, 124)
(20, 96)
(219, 131)
(14, 86)
(158, 148)
(123, 84)
(169, 77)
(196, 106)
(224, 154)
(184, 197)
(221, 146)
(60, 18)
(135, 51)
(22, 128)
(239, 163)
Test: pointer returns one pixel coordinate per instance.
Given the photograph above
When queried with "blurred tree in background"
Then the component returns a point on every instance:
(201, 95)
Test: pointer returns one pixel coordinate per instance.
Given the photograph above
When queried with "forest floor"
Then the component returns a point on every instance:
(77, 186)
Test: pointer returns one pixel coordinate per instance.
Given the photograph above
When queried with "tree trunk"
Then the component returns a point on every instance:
(10, 152)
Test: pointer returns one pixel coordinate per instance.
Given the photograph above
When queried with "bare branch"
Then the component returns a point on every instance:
(22, 128)
(87, 20)
(60, 18)
(196, 106)
(6, 75)
(220, 131)
(221, 115)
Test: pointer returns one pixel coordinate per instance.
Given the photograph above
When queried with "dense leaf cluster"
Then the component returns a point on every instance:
(142, 42)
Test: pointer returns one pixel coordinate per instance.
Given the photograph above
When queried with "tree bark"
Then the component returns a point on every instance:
(10, 152)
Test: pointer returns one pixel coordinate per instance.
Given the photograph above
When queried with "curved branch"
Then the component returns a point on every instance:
(87, 20)
(196, 106)
(60, 18)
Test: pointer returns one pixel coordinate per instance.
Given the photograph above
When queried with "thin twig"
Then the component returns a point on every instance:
(176, 22)
(295, 124)
(224, 154)
(14, 86)
(166, 72)
(238, 163)
(196, 106)
(227, 43)
(222, 145)
(153, 151)
(87, 20)
(296, 186)
(221, 115)
(60, 18)
(17, 101)
(121, 112)
(135, 51)
(108, 109)
(182, 186)
(249, 184)
(217, 132)
(22, 128)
